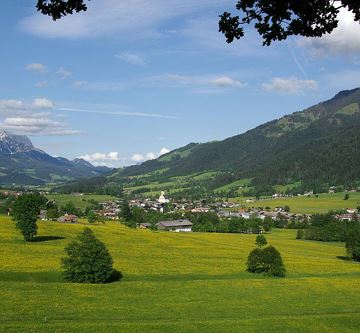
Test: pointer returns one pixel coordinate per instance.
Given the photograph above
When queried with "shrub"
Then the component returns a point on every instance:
(353, 243)
(260, 241)
(267, 261)
(272, 262)
(254, 261)
(300, 234)
(87, 260)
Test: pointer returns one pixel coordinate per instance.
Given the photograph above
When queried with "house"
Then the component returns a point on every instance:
(346, 217)
(68, 218)
(42, 215)
(175, 225)
(144, 225)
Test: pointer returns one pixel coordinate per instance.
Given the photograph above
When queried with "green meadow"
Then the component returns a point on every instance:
(80, 201)
(176, 282)
(302, 204)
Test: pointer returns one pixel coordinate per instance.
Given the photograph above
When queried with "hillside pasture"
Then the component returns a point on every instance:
(80, 201)
(308, 205)
(176, 282)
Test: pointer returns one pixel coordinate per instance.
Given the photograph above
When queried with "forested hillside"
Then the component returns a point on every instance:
(316, 148)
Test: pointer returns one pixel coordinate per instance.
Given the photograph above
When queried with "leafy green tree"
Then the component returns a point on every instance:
(268, 222)
(52, 213)
(25, 210)
(254, 261)
(272, 262)
(300, 234)
(346, 196)
(125, 211)
(91, 217)
(87, 260)
(279, 19)
(267, 261)
(69, 208)
(353, 243)
(260, 241)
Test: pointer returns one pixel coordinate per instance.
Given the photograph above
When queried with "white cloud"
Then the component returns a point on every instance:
(205, 80)
(79, 83)
(135, 59)
(10, 104)
(226, 81)
(163, 151)
(42, 103)
(63, 73)
(41, 84)
(20, 118)
(137, 158)
(35, 125)
(106, 159)
(148, 156)
(290, 85)
(139, 18)
(36, 67)
(119, 113)
(344, 40)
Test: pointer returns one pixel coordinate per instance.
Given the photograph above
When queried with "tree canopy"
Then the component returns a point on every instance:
(279, 19)
(87, 260)
(273, 19)
(25, 210)
(59, 8)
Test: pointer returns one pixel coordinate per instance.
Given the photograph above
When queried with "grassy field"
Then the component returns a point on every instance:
(80, 201)
(321, 204)
(176, 283)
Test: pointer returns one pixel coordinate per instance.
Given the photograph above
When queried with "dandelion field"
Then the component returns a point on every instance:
(176, 283)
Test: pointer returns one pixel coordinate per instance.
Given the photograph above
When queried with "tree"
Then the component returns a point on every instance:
(300, 234)
(87, 260)
(353, 243)
(125, 212)
(272, 262)
(260, 241)
(91, 217)
(279, 19)
(59, 8)
(25, 210)
(267, 261)
(254, 261)
(346, 196)
(69, 208)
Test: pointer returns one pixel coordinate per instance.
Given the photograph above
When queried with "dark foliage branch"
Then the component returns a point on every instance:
(59, 8)
(279, 19)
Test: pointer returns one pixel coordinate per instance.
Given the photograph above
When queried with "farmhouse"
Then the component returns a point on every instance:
(68, 218)
(175, 225)
(144, 225)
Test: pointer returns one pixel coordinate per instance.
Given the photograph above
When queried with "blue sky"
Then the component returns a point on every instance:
(129, 80)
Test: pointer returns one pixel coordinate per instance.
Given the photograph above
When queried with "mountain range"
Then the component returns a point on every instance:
(319, 146)
(23, 164)
(315, 148)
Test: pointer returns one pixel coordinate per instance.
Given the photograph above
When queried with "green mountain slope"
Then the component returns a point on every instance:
(312, 149)
(317, 145)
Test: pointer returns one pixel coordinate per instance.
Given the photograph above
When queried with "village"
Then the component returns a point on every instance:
(111, 210)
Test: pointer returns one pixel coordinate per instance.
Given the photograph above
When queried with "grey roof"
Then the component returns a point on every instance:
(175, 223)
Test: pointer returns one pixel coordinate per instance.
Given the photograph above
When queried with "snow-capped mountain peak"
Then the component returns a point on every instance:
(11, 144)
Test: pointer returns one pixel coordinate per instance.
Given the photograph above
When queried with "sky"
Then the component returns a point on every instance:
(130, 80)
